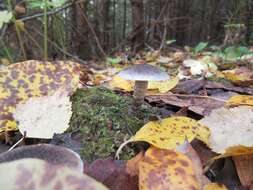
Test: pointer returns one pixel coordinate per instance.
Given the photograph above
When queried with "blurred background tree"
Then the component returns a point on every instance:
(93, 29)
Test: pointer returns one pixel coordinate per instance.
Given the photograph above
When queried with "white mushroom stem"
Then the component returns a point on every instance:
(140, 89)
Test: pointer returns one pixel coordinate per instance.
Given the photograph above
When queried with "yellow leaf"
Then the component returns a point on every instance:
(166, 169)
(172, 132)
(118, 82)
(240, 100)
(163, 86)
(235, 151)
(21, 81)
(215, 186)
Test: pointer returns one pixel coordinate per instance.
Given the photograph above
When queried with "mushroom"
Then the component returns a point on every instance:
(55, 155)
(141, 74)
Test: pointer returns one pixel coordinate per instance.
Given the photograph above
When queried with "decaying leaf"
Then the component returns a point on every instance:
(171, 132)
(132, 165)
(188, 150)
(38, 174)
(240, 100)
(244, 168)
(230, 127)
(113, 174)
(215, 186)
(166, 169)
(240, 76)
(42, 117)
(20, 81)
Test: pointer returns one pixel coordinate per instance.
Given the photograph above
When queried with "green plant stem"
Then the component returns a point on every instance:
(20, 40)
(6, 50)
(45, 31)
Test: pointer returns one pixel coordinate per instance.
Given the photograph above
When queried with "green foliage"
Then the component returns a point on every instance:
(200, 47)
(233, 53)
(5, 17)
(39, 4)
(105, 122)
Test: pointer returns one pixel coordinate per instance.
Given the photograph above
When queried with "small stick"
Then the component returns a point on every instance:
(17, 143)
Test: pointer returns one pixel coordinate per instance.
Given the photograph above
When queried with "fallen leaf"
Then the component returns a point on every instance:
(20, 81)
(118, 82)
(244, 168)
(171, 132)
(240, 100)
(188, 150)
(230, 127)
(199, 105)
(127, 85)
(50, 115)
(240, 76)
(38, 174)
(163, 86)
(215, 186)
(166, 169)
(132, 165)
(113, 174)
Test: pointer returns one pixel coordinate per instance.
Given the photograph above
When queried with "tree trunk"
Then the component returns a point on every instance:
(138, 33)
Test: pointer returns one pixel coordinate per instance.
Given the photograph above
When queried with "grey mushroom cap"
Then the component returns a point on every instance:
(143, 72)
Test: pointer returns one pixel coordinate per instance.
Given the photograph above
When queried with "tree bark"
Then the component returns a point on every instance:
(138, 32)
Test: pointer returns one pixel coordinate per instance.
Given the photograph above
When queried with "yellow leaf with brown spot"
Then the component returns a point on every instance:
(163, 86)
(215, 186)
(118, 82)
(21, 81)
(238, 100)
(172, 132)
(166, 169)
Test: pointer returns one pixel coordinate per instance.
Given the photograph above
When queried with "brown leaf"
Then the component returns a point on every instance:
(132, 165)
(244, 167)
(113, 174)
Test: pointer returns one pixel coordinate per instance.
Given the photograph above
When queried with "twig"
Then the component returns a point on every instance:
(195, 96)
(17, 143)
(48, 13)
(60, 49)
(93, 32)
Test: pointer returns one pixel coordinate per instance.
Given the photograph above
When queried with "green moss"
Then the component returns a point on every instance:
(104, 121)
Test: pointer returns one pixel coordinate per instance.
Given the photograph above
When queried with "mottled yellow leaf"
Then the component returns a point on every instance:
(40, 175)
(166, 169)
(215, 186)
(172, 132)
(20, 81)
(238, 100)
(163, 86)
(118, 82)
(241, 76)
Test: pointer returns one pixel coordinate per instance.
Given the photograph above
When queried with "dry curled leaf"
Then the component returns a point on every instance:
(166, 169)
(20, 81)
(40, 175)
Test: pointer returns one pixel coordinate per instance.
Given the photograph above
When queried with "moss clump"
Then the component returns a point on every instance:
(104, 121)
